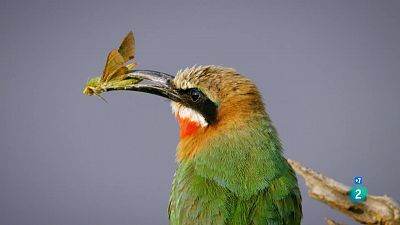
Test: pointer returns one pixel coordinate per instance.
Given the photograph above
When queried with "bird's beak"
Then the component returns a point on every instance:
(158, 83)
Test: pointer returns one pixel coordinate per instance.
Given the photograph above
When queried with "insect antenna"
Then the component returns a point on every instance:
(102, 98)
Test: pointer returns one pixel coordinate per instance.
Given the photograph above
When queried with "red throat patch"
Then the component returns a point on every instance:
(188, 127)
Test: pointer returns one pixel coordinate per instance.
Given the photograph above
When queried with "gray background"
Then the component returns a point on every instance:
(329, 72)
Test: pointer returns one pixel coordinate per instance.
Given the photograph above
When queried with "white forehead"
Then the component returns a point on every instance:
(186, 78)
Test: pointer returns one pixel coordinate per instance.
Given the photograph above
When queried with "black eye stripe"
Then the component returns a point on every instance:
(198, 101)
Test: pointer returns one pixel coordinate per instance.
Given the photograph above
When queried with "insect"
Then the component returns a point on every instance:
(115, 74)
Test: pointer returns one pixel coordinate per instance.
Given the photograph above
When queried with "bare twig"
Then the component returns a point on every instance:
(332, 222)
(375, 210)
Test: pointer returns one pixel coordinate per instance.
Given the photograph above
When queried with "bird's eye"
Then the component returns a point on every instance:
(195, 95)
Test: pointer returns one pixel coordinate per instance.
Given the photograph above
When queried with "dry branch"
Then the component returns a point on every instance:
(375, 210)
(332, 222)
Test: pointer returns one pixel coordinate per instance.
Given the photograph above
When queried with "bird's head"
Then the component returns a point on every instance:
(206, 100)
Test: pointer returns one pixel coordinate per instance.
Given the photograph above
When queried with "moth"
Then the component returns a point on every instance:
(115, 73)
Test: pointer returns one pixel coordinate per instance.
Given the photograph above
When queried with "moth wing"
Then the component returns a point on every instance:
(127, 48)
(114, 62)
(120, 74)
(131, 66)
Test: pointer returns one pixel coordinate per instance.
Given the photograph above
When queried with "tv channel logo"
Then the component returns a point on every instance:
(358, 180)
(358, 194)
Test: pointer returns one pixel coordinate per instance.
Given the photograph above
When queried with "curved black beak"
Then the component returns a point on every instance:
(160, 84)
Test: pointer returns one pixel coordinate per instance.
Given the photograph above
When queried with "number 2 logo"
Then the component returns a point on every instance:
(358, 194)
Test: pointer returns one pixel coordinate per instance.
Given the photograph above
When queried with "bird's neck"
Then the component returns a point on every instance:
(244, 158)
(195, 138)
(196, 133)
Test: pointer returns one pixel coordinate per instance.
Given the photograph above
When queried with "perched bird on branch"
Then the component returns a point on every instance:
(230, 164)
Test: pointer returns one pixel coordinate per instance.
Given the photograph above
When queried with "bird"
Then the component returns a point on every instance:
(230, 163)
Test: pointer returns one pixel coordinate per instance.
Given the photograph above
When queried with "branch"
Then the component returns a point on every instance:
(332, 222)
(375, 210)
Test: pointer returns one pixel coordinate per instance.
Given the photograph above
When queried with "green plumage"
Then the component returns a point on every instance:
(240, 177)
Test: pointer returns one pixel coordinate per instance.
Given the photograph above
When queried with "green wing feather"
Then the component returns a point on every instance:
(195, 199)
(198, 200)
(237, 182)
